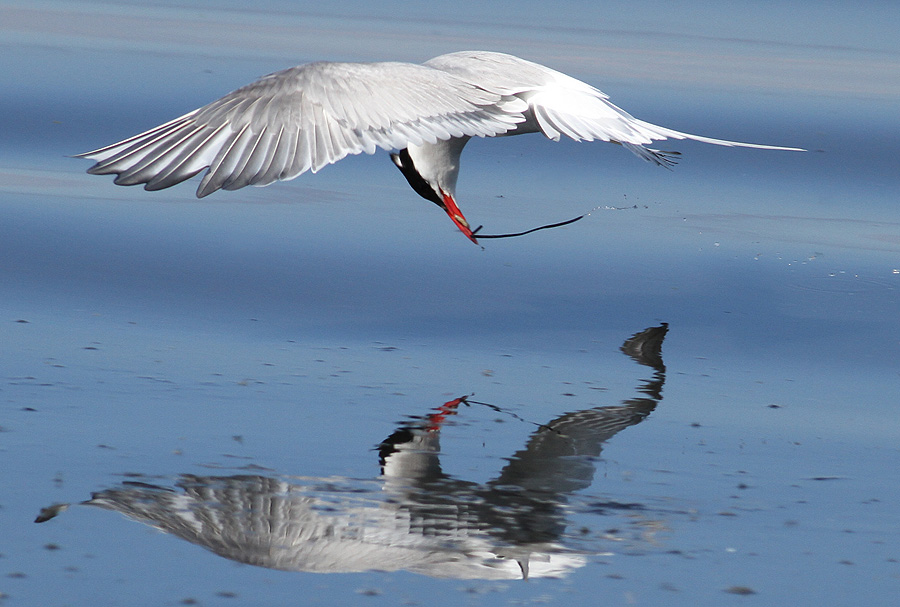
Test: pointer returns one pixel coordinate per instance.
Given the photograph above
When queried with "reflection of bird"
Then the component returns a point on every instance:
(414, 516)
(306, 117)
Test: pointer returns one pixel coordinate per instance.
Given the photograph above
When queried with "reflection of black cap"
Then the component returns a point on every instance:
(389, 446)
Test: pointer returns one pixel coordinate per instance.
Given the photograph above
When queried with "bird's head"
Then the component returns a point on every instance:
(431, 170)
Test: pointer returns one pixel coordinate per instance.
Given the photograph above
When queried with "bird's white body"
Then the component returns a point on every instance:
(303, 118)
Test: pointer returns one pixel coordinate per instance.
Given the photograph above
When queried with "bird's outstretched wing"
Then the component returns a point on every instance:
(301, 119)
(561, 105)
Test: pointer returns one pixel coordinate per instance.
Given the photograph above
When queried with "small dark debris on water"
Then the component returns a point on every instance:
(369, 592)
(51, 547)
(606, 506)
(742, 590)
(232, 456)
(227, 594)
(774, 406)
(827, 478)
(90, 348)
(23, 321)
(238, 439)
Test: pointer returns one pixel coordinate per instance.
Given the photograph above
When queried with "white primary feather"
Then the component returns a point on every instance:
(301, 119)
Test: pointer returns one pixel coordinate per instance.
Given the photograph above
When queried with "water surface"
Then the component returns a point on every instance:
(288, 358)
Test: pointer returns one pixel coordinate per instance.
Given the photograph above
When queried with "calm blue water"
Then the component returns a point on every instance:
(233, 364)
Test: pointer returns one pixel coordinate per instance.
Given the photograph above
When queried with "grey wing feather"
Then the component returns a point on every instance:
(302, 119)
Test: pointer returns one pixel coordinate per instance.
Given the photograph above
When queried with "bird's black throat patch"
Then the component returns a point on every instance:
(404, 162)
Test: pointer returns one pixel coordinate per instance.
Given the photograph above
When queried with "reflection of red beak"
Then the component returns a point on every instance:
(448, 408)
(457, 216)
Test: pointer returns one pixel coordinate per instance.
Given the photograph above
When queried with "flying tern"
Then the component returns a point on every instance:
(306, 117)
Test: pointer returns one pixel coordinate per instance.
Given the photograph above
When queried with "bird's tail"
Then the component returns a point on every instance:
(673, 134)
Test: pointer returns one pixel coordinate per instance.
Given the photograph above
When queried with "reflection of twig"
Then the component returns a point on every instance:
(498, 409)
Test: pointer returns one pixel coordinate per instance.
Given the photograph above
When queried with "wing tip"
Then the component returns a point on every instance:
(664, 158)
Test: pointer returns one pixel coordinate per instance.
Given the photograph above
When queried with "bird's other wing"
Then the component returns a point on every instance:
(304, 118)
(498, 72)
(577, 110)
(561, 105)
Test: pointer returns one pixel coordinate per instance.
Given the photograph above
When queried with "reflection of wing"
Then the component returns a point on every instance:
(559, 458)
(646, 347)
(332, 526)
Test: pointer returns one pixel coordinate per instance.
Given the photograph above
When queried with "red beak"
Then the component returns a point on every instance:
(457, 216)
